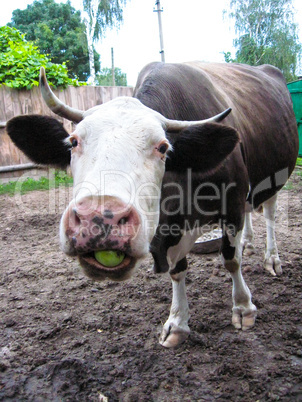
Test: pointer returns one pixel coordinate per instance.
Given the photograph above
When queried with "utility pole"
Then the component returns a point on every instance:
(112, 67)
(159, 10)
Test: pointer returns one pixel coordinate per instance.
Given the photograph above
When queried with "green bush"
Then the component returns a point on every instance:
(20, 63)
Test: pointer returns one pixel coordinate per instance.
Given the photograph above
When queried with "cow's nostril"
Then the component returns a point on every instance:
(77, 220)
(123, 221)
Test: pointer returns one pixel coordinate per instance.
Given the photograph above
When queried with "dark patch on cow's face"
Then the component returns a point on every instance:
(108, 214)
(93, 243)
(127, 248)
(98, 220)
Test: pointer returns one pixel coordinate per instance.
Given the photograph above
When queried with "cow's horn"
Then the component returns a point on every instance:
(55, 104)
(175, 125)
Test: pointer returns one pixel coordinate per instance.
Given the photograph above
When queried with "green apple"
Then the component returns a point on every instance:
(109, 258)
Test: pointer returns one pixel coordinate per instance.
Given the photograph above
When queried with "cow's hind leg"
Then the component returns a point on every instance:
(248, 235)
(244, 311)
(272, 261)
(176, 329)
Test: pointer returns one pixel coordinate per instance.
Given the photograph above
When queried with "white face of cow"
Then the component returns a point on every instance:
(118, 162)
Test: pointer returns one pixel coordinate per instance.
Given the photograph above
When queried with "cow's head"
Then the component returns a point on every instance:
(118, 154)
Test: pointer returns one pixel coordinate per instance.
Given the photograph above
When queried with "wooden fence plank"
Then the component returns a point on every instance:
(20, 102)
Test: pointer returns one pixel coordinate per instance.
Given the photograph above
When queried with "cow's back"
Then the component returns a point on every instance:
(263, 114)
(262, 110)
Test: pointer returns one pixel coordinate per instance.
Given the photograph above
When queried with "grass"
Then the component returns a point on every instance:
(29, 184)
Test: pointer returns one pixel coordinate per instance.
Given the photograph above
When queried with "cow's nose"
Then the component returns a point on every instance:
(81, 218)
(94, 224)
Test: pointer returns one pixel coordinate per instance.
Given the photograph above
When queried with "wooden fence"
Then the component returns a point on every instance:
(16, 102)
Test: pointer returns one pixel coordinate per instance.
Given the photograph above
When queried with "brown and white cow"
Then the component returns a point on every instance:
(155, 171)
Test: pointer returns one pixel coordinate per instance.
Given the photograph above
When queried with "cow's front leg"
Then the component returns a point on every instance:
(176, 329)
(244, 311)
(272, 261)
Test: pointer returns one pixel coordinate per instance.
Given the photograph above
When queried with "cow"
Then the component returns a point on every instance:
(154, 171)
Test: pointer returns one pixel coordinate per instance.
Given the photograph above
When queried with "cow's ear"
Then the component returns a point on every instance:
(41, 138)
(201, 148)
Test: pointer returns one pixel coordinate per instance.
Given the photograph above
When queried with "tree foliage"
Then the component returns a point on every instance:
(58, 31)
(99, 15)
(267, 34)
(104, 77)
(20, 63)
(105, 14)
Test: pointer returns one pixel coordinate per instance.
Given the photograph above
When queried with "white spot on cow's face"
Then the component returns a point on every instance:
(119, 150)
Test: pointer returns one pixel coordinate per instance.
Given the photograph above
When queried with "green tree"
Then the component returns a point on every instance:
(104, 78)
(99, 15)
(267, 34)
(58, 31)
(20, 63)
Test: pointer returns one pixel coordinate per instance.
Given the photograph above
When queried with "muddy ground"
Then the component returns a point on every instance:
(66, 338)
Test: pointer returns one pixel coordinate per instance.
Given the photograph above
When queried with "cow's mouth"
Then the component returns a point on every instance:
(97, 271)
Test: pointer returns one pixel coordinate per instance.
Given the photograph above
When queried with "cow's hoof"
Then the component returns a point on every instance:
(244, 318)
(273, 265)
(248, 249)
(173, 336)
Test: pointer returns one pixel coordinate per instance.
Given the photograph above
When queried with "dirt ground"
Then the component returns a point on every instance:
(66, 338)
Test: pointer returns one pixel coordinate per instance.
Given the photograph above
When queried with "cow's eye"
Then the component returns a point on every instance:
(74, 142)
(163, 148)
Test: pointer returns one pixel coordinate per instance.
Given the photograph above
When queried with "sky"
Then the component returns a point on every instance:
(192, 30)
